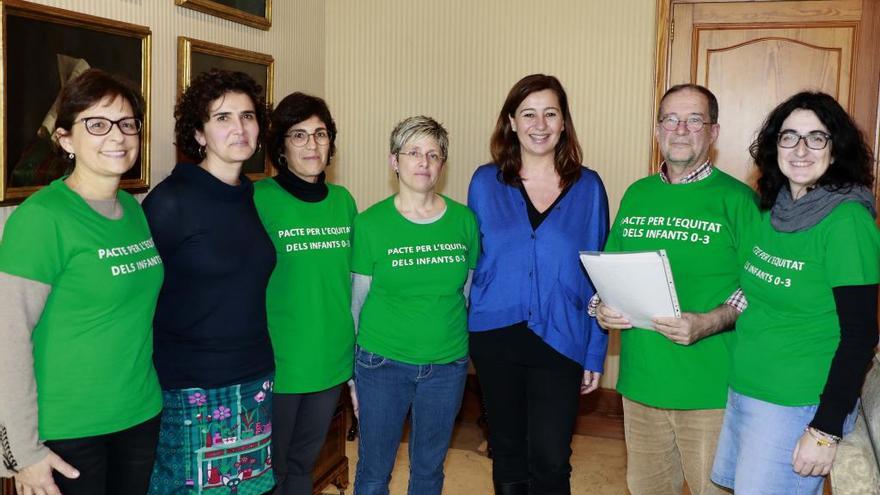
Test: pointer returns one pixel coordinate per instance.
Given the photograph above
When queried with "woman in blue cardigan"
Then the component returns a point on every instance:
(532, 343)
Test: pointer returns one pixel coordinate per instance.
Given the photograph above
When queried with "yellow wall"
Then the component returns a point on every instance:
(296, 40)
(455, 60)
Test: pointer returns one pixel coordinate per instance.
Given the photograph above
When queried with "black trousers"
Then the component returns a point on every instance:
(532, 395)
(299, 427)
(110, 464)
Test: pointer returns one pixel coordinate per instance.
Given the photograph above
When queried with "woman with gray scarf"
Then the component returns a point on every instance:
(811, 271)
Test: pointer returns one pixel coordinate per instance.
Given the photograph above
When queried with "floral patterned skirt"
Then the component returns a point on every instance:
(215, 441)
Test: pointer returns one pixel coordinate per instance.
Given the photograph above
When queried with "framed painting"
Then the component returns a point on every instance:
(195, 57)
(254, 13)
(44, 47)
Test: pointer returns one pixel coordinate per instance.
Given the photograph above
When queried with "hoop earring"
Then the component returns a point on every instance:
(201, 151)
(282, 160)
(259, 147)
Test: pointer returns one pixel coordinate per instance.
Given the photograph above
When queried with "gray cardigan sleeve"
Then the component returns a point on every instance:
(360, 287)
(21, 304)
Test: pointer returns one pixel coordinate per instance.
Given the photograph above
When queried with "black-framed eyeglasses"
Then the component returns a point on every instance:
(101, 126)
(300, 138)
(431, 157)
(816, 140)
(693, 123)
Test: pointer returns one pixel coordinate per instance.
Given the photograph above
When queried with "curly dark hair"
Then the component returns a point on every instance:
(192, 109)
(851, 157)
(293, 109)
(89, 88)
(504, 144)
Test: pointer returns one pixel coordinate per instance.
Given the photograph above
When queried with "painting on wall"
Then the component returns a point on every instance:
(195, 57)
(254, 13)
(44, 47)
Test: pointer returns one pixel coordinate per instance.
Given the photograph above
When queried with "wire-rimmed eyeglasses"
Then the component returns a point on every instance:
(300, 138)
(693, 123)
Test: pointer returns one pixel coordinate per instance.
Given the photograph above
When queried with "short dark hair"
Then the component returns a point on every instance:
(710, 98)
(192, 109)
(90, 88)
(505, 146)
(852, 159)
(293, 109)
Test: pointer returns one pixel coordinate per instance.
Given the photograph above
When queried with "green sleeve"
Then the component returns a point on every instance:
(361, 252)
(350, 204)
(31, 247)
(260, 202)
(745, 216)
(612, 245)
(852, 255)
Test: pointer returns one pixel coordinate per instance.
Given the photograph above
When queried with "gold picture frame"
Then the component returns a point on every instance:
(258, 16)
(196, 56)
(43, 47)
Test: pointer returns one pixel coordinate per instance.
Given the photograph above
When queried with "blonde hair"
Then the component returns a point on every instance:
(419, 127)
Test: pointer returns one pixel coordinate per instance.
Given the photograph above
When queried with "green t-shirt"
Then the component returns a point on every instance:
(415, 310)
(790, 331)
(699, 224)
(93, 344)
(308, 300)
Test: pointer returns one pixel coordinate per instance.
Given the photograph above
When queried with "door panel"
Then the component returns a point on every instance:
(779, 61)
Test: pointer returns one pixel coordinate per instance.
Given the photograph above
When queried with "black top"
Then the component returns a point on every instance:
(210, 326)
(300, 189)
(857, 312)
(537, 217)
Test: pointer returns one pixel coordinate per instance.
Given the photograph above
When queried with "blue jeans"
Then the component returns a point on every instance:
(756, 444)
(386, 390)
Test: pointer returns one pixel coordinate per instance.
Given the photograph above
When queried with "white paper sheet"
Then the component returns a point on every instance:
(637, 284)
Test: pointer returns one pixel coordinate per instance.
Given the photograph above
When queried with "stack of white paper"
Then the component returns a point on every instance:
(639, 284)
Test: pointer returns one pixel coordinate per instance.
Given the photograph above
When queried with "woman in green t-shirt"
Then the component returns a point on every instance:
(308, 300)
(412, 258)
(811, 269)
(79, 278)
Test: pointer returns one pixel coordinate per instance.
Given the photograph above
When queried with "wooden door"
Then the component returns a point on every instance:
(754, 54)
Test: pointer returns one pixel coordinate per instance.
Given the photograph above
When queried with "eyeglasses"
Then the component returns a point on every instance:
(816, 140)
(100, 126)
(431, 157)
(692, 123)
(301, 138)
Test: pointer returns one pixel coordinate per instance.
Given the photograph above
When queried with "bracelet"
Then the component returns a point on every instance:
(822, 439)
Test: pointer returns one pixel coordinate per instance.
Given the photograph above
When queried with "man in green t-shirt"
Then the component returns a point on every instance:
(674, 376)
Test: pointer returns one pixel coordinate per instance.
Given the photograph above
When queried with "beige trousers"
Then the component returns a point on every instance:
(666, 447)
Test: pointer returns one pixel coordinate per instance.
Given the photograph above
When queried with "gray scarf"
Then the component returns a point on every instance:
(788, 215)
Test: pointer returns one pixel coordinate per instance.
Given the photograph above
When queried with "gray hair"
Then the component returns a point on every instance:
(419, 127)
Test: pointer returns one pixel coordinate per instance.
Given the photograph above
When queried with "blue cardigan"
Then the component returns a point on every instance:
(536, 276)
